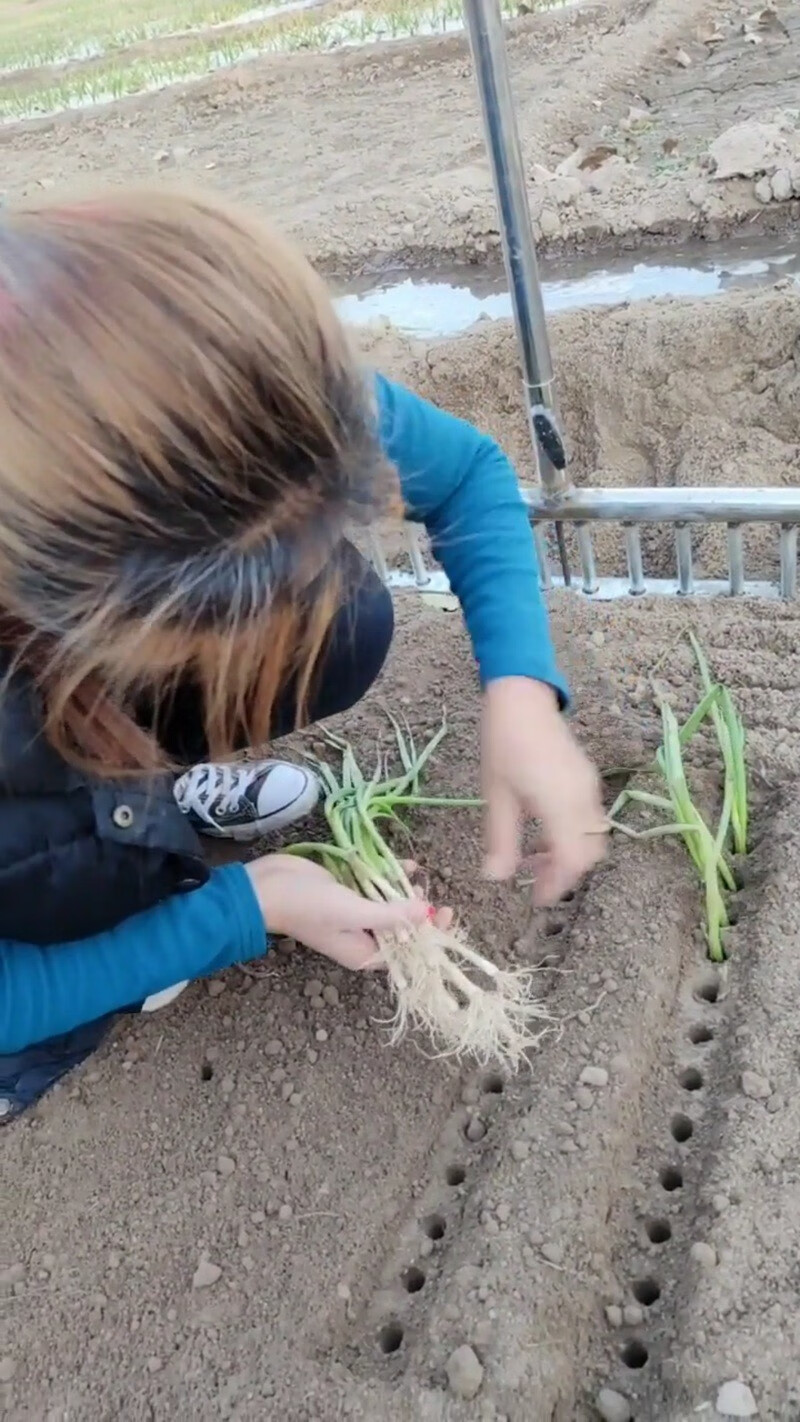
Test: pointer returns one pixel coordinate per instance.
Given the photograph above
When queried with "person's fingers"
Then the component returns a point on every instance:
(348, 911)
(375, 964)
(443, 919)
(550, 881)
(355, 950)
(563, 864)
(502, 832)
(403, 913)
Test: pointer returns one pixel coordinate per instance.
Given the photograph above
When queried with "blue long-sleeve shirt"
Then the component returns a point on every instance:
(458, 483)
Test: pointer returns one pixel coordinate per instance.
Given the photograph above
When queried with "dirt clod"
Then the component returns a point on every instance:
(755, 1086)
(464, 1372)
(704, 1254)
(735, 1399)
(594, 1076)
(8, 1368)
(206, 1274)
(612, 1406)
(475, 1130)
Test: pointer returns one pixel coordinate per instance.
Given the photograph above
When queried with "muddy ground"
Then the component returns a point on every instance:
(371, 1211)
(374, 157)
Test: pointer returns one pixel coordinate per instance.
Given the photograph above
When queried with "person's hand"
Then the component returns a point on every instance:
(301, 900)
(532, 766)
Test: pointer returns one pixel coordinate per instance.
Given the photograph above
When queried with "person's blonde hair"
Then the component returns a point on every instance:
(185, 436)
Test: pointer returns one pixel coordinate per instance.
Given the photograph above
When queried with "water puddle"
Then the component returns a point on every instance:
(443, 304)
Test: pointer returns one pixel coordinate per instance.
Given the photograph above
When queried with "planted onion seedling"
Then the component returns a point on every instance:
(710, 850)
(467, 1005)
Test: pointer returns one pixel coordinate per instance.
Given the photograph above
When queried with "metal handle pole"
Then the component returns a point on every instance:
(485, 28)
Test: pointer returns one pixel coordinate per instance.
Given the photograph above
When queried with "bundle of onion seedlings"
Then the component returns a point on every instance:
(709, 849)
(467, 1005)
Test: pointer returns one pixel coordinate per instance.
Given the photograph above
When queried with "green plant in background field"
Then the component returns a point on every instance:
(101, 65)
(710, 850)
(467, 1005)
(86, 30)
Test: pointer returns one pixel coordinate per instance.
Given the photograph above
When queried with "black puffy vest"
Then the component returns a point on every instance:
(79, 856)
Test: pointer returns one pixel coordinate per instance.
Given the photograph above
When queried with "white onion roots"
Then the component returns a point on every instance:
(490, 1020)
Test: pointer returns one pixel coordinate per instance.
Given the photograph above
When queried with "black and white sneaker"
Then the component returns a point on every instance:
(247, 800)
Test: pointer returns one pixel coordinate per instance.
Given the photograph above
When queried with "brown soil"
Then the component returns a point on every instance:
(361, 1233)
(312, 1171)
(665, 393)
(376, 156)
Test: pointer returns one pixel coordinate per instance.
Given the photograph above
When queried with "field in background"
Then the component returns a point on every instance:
(73, 56)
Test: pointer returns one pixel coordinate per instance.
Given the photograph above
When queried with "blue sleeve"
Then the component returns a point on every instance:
(459, 483)
(47, 991)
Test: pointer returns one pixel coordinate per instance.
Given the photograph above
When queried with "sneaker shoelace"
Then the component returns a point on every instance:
(213, 787)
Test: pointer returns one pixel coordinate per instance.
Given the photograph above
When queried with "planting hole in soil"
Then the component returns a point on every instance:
(634, 1354)
(646, 1292)
(554, 928)
(708, 990)
(434, 1226)
(691, 1079)
(658, 1231)
(455, 1175)
(206, 1071)
(493, 1084)
(682, 1128)
(390, 1337)
(413, 1280)
(671, 1178)
(700, 1034)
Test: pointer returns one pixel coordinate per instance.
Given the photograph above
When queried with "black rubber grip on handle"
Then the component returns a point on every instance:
(549, 439)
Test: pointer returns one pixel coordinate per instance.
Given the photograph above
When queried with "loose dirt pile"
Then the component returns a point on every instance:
(661, 394)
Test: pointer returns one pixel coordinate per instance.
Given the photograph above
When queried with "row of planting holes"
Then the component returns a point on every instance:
(390, 1336)
(658, 1229)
